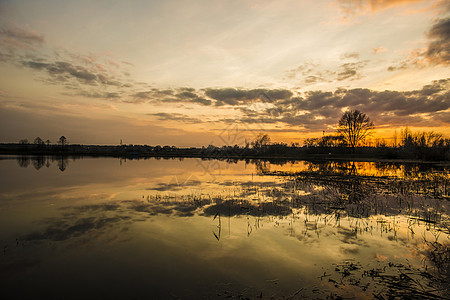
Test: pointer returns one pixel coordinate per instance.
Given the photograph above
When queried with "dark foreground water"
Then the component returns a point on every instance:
(159, 229)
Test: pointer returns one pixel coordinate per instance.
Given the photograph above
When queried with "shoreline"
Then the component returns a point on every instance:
(225, 153)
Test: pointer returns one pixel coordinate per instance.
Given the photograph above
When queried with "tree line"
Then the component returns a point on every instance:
(352, 137)
(38, 141)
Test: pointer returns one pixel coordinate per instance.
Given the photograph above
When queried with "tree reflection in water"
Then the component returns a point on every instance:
(39, 161)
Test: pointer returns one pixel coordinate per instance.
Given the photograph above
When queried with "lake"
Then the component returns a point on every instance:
(108, 228)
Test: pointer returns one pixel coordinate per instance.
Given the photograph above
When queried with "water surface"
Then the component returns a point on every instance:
(192, 228)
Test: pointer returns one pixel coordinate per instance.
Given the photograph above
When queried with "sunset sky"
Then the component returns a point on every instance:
(192, 73)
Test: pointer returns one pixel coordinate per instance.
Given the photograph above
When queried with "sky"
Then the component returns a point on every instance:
(193, 73)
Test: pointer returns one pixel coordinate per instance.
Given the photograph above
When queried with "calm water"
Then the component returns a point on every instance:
(159, 229)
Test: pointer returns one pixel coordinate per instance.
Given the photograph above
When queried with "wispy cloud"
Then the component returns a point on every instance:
(361, 7)
(75, 72)
(380, 49)
(15, 37)
(312, 73)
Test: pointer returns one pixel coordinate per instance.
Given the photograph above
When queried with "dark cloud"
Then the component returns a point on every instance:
(65, 71)
(311, 79)
(153, 94)
(438, 51)
(189, 95)
(316, 110)
(186, 95)
(435, 87)
(232, 96)
(176, 117)
(181, 95)
(201, 101)
(100, 95)
(105, 80)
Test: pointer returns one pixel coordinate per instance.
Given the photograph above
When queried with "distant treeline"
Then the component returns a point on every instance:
(429, 146)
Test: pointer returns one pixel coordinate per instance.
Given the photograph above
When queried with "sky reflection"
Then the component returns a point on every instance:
(161, 229)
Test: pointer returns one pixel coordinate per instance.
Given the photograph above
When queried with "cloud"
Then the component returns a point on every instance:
(100, 95)
(379, 49)
(306, 69)
(180, 95)
(438, 51)
(26, 48)
(152, 94)
(176, 117)
(362, 7)
(64, 71)
(188, 95)
(209, 96)
(319, 110)
(351, 55)
(350, 71)
(233, 96)
(312, 73)
(20, 38)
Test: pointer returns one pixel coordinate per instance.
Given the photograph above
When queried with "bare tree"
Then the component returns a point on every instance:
(354, 126)
(261, 141)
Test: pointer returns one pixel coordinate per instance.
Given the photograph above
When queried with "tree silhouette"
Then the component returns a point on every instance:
(354, 126)
(62, 141)
(38, 141)
(261, 141)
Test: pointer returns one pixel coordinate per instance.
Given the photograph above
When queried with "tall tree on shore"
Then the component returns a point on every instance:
(354, 126)
(62, 141)
(261, 141)
(38, 141)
